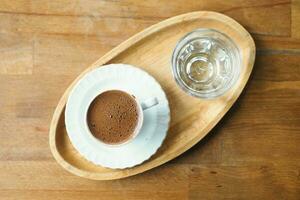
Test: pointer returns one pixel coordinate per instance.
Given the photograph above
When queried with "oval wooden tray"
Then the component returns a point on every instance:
(191, 118)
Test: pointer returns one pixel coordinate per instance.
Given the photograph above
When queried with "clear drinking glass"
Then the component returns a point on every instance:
(206, 63)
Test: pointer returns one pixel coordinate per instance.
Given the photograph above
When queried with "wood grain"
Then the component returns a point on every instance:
(295, 19)
(265, 118)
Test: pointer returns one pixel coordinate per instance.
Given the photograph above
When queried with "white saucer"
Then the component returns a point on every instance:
(134, 81)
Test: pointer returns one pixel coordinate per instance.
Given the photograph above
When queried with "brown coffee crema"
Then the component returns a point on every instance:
(113, 116)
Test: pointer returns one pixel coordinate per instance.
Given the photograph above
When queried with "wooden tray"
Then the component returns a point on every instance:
(191, 118)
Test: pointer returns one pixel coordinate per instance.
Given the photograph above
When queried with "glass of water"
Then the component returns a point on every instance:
(206, 63)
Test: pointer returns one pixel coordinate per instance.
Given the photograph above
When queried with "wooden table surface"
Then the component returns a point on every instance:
(253, 153)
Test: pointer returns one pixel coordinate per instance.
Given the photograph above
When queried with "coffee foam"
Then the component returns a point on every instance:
(113, 116)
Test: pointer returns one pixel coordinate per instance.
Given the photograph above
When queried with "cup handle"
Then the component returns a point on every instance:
(149, 103)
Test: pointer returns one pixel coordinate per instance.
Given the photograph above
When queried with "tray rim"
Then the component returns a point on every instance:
(115, 52)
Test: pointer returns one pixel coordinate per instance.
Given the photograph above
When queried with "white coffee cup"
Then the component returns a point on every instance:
(141, 106)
